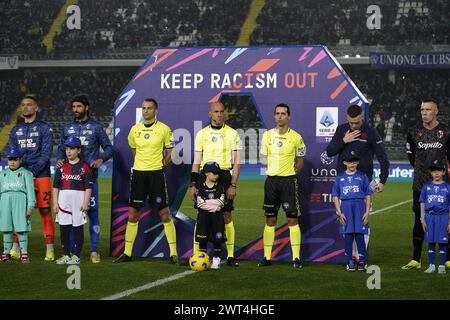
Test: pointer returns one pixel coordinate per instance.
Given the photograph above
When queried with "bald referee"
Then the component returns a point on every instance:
(151, 142)
(219, 143)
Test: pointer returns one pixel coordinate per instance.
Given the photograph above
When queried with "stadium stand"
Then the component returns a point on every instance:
(344, 23)
(116, 29)
(55, 88)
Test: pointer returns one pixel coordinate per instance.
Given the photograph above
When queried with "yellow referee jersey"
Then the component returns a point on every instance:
(281, 151)
(150, 143)
(217, 145)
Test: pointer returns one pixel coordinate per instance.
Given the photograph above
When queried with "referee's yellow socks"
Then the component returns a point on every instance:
(229, 233)
(130, 235)
(171, 235)
(268, 239)
(295, 236)
(196, 244)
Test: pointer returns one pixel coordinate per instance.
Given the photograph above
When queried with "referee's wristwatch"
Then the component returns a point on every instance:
(233, 185)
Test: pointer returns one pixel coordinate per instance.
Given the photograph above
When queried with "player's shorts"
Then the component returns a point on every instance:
(43, 189)
(437, 225)
(281, 191)
(13, 216)
(353, 211)
(69, 203)
(210, 227)
(151, 184)
(225, 181)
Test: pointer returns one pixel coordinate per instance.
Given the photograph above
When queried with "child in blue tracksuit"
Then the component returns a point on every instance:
(352, 196)
(434, 206)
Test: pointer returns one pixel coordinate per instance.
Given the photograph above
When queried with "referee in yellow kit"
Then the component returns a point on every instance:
(151, 142)
(283, 151)
(219, 143)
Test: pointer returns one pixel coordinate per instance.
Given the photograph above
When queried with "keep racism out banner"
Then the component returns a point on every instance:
(184, 81)
(410, 60)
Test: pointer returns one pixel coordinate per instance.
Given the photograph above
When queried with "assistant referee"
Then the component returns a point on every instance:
(285, 151)
(151, 142)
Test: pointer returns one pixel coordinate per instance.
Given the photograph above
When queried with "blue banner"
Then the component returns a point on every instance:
(410, 59)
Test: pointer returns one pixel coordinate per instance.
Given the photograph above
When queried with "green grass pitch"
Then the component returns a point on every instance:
(390, 248)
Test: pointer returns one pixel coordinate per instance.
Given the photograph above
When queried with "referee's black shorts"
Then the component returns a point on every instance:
(151, 184)
(210, 227)
(225, 181)
(281, 191)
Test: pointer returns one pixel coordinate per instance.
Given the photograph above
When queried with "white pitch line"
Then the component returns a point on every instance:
(390, 207)
(147, 286)
(177, 276)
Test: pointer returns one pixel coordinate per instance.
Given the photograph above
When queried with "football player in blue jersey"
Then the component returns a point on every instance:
(34, 138)
(92, 136)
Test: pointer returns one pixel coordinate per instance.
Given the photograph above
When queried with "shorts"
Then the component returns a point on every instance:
(13, 216)
(281, 191)
(43, 189)
(151, 184)
(210, 227)
(225, 181)
(353, 211)
(69, 205)
(437, 225)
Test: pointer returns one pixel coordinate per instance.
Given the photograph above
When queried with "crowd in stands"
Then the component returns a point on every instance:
(119, 25)
(54, 88)
(24, 24)
(345, 22)
(127, 25)
(394, 99)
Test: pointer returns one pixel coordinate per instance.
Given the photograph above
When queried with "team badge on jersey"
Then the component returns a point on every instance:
(158, 200)
(279, 144)
(286, 205)
(214, 139)
(440, 134)
(147, 135)
(211, 195)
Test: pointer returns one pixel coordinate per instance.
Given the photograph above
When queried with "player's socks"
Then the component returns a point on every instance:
(217, 250)
(230, 234)
(130, 236)
(65, 238)
(50, 247)
(442, 253)
(417, 243)
(295, 237)
(23, 240)
(202, 246)
(348, 245)
(48, 229)
(268, 239)
(362, 251)
(94, 229)
(79, 237)
(431, 252)
(7, 242)
(171, 235)
(196, 244)
(16, 246)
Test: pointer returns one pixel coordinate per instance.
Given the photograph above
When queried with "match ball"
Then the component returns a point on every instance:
(199, 261)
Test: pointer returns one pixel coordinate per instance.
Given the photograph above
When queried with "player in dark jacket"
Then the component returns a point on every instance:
(92, 136)
(364, 140)
(426, 142)
(34, 138)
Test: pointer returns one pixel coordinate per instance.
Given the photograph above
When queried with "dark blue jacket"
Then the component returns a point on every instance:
(369, 143)
(92, 136)
(35, 140)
